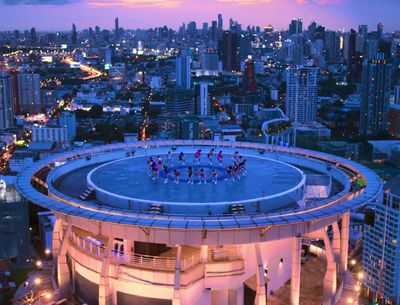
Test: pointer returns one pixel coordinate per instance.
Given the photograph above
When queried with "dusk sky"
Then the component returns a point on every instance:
(59, 14)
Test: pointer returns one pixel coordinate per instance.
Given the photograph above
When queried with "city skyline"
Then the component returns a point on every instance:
(48, 15)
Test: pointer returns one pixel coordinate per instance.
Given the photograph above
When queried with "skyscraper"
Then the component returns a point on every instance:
(220, 23)
(33, 36)
(350, 51)
(183, 69)
(296, 26)
(229, 51)
(302, 94)
(375, 100)
(332, 46)
(6, 101)
(74, 35)
(203, 101)
(116, 29)
(249, 77)
(28, 93)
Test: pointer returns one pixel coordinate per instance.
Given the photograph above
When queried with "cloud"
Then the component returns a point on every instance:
(38, 2)
(318, 1)
(245, 2)
(137, 3)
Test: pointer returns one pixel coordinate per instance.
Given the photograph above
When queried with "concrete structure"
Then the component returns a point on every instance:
(50, 134)
(381, 253)
(302, 94)
(183, 70)
(122, 238)
(376, 79)
(28, 93)
(6, 101)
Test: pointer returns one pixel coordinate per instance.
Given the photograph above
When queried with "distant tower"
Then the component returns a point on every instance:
(302, 94)
(116, 27)
(375, 98)
(229, 51)
(33, 36)
(6, 101)
(220, 23)
(296, 26)
(203, 103)
(28, 93)
(74, 35)
(249, 77)
(183, 70)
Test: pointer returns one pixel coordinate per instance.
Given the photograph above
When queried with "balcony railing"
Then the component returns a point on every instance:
(137, 260)
(226, 254)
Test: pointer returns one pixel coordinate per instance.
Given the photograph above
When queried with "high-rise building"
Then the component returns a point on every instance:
(116, 27)
(332, 46)
(350, 51)
(28, 93)
(296, 26)
(302, 94)
(209, 61)
(296, 50)
(74, 35)
(268, 31)
(220, 23)
(249, 77)
(376, 79)
(203, 101)
(67, 119)
(6, 101)
(380, 258)
(229, 51)
(183, 69)
(33, 36)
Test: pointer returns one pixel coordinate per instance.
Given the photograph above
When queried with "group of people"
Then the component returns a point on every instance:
(155, 166)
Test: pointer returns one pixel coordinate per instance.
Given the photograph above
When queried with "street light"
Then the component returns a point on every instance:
(47, 251)
(360, 275)
(350, 301)
(39, 264)
(37, 281)
(353, 262)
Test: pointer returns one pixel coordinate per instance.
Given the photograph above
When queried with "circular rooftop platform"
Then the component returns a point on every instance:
(270, 193)
(128, 179)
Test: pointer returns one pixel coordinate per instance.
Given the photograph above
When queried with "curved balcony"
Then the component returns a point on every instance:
(167, 264)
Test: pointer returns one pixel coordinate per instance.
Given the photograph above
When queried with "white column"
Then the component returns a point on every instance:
(261, 297)
(330, 275)
(296, 270)
(104, 287)
(204, 253)
(63, 277)
(344, 244)
(336, 243)
(56, 242)
(177, 283)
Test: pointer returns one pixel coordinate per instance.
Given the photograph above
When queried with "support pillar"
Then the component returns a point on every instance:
(296, 270)
(63, 277)
(344, 243)
(56, 243)
(204, 254)
(261, 296)
(336, 243)
(330, 279)
(104, 287)
(177, 282)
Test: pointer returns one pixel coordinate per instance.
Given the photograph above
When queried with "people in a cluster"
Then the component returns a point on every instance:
(232, 171)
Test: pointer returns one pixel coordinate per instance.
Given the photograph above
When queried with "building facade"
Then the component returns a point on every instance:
(381, 251)
(302, 94)
(29, 93)
(6, 101)
(375, 99)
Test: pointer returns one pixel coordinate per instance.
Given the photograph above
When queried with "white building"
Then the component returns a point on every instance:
(183, 70)
(6, 101)
(302, 94)
(50, 134)
(29, 93)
